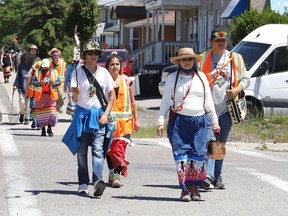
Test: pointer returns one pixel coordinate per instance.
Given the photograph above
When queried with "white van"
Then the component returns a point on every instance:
(265, 53)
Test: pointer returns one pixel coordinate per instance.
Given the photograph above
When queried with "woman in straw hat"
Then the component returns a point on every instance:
(188, 100)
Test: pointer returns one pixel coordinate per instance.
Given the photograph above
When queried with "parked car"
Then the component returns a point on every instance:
(165, 72)
(265, 58)
(150, 77)
(126, 60)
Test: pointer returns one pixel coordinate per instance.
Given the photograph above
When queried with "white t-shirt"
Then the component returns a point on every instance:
(104, 79)
(194, 102)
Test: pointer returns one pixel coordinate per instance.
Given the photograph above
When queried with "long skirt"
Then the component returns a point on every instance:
(187, 136)
(46, 111)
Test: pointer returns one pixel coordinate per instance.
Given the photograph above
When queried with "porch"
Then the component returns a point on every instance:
(159, 52)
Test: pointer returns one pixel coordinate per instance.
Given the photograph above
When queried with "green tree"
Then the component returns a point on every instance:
(47, 23)
(251, 20)
(10, 14)
(85, 15)
(44, 25)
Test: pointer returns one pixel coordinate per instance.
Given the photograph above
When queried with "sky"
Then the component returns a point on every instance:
(278, 5)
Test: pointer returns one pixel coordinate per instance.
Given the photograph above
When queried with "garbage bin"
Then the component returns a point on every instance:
(150, 78)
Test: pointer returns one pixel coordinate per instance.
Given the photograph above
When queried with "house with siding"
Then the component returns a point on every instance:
(153, 30)
(160, 27)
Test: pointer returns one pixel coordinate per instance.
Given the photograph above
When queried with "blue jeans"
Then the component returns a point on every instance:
(96, 141)
(214, 167)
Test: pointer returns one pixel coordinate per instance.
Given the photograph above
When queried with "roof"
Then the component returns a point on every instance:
(169, 20)
(114, 28)
(128, 12)
(109, 3)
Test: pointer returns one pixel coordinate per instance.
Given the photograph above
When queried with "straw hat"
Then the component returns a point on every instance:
(33, 46)
(185, 53)
(53, 50)
(37, 65)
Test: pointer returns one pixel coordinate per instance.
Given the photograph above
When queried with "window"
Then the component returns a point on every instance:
(278, 60)
(251, 52)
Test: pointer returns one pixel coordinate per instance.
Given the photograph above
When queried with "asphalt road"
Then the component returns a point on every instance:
(39, 177)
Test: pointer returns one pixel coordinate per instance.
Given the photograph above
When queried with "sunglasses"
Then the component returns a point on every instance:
(186, 59)
(219, 35)
(93, 52)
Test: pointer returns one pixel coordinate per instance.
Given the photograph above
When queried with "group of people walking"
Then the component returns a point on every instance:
(40, 87)
(194, 99)
(98, 91)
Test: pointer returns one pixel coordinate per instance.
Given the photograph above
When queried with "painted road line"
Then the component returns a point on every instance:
(270, 179)
(164, 143)
(259, 155)
(20, 202)
(8, 147)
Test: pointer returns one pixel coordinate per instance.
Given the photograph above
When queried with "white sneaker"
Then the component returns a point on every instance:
(83, 189)
(208, 185)
(60, 110)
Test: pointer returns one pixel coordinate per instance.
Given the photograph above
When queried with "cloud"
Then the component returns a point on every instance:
(278, 5)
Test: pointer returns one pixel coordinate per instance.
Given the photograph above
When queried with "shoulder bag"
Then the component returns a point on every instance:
(237, 107)
(101, 97)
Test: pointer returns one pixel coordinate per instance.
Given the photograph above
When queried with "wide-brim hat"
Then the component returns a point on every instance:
(186, 53)
(91, 45)
(50, 53)
(33, 46)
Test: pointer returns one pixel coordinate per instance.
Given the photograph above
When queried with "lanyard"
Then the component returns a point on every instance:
(186, 94)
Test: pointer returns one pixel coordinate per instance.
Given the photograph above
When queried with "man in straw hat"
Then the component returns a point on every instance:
(188, 100)
(216, 65)
(57, 63)
(90, 121)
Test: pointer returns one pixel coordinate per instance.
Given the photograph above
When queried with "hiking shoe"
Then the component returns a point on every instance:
(219, 185)
(50, 133)
(83, 189)
(43, 132)
(21, 119)
(33, 124)
(116, 183)
(99, 187)
(114, 180)
(111, 178)
(195, 195)
(185, 196)
(207, 185)
(26, 122)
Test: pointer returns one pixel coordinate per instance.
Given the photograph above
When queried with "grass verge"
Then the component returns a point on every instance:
(270, 129)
